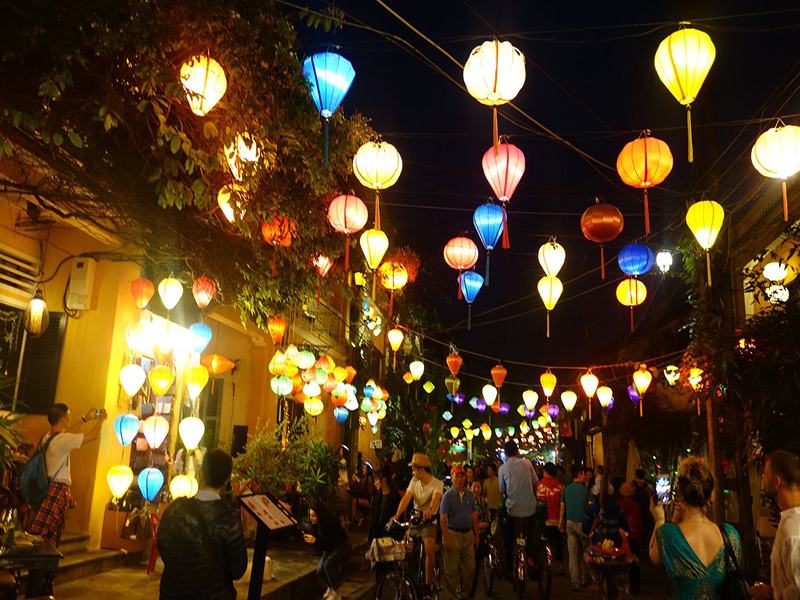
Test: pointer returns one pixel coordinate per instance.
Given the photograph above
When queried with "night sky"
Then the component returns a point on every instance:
(606, 91)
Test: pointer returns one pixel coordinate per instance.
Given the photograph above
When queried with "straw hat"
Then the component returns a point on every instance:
(420, 460)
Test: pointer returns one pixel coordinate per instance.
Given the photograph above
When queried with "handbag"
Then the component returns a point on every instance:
(734, 586)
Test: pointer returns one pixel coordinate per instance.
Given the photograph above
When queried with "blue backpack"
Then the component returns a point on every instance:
(33, 480)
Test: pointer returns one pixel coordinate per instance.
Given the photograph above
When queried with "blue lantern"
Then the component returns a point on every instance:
(633, 394)
(150, 482)
(488, 221)
(471, 284)
(340, 413)
(200, 335)
(368, 391)
(330, 76)
(126, 427)
(635, 259)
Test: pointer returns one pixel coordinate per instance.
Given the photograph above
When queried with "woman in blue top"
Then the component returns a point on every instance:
(691, 547)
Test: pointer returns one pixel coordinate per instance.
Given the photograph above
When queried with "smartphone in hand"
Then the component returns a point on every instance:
(663, 489)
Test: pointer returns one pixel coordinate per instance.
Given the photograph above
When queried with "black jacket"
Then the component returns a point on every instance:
(329, 535)
(381, 512)
(189, 571)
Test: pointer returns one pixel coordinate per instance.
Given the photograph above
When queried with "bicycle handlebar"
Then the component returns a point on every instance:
(416, 520)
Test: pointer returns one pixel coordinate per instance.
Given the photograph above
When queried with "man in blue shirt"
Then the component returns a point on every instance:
(517, 485)
(574, 503)
(458, 515)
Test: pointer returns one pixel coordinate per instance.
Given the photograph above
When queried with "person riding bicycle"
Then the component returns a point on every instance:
(426, 492)
(517, 485)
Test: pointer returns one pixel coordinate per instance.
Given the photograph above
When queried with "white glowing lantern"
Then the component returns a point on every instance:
(775, 271)
(191, 430)
(244, 150)
(664, 261)
(777, 294)
(489, 394)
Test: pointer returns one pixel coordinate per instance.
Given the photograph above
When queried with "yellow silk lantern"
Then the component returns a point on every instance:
(550, 289)
(428, 387)
(552, 256)
(605, 395)
(672, 374)
(161, 379)
(204, 80)
(682, 61)
(416, 368)
(705, 219)
(695, 378)
(277, 364)
(224, 201)
(489, 394)
(589, 384)
(191, 430)
(314, 407)
(196, 378)
(631, 292)
(452, 384)
(243, 150)
(395, 338)
(183, 486)
(494, 74)
(569, 399)
(155, 429)
(466, 424)
(469, 434)
(486, 433)
(170, 291)
(530, 398)
(524, 428)
(119, 479)
(132, 377)
(454, 431)
(548, 381)
(377, 165)
(641, 381)
(374, 244)
(408, 377)
(776, 154)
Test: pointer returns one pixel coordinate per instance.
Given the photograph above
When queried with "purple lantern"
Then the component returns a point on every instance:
(459, 398)
(634, 395)
(504, 408)
(553, 410)
(480, 404)
(610, 404)
(529, 414)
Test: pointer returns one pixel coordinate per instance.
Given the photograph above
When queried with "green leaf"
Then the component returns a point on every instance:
(142, 105)
(108, 122)
(58, 139)
(75, 139)
(175, 144)
(209, 130)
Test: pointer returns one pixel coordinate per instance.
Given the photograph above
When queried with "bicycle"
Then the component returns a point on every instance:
(541, 571)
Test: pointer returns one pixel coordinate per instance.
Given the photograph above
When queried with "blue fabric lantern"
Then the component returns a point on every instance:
(330, 76)
(200, 335)
(126, 427)
(150, 482)
(471, 284)
(473, 402)
(633, 394)
(488, 221)
(635, 259)
(340, 413)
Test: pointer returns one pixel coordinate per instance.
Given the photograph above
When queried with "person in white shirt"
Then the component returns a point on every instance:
(51, 515)
(426, 491)
(781, 480)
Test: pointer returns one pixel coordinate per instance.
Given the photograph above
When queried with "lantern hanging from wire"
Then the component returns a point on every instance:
(471, 283)
(203, 290)
(191, 430)
(548, 382)
(488, 220)
(393, 277)
(395, 337)
(196, 377)
(530, 398)
(631, 292)
(142, 290)
(589, 383)
(416, 368)
(330, 76)
(340, 414)
(161, 379)
(205, 83)
(454, 362)
(643, 163)
(605, 396)
(683, 60)
(126, 428)
(705, 219)
(155, 430)
(569, 399)
(170, 291)
(494, 74)
(551, 257)
(776, 154)
(633, 394)
(119, 478)
(377, 165)
(503, 168)
(664, 261)
(499, 373)
(374, 244)
(132, 378)
(183, 486)
(635, 259)
(602, 223)
(347, 214)
(150, 482)
(452, 384)
(489, 393)
(550, 289)
(461, 253)
(641, 381)
(276, 327)
(323, 265)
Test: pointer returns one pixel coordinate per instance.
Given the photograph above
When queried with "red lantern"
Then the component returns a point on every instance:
(276, 327)
(278, 232)
(454, 362)
(142, 290)
(322, 264)
(347, 214)
(602, 223)
(644, 163)
(461, 253)
(203, 290)
(499, 375)
(503, 167)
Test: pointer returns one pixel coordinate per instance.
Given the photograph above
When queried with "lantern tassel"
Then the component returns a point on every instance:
(641, 410)
(486, 283)
(469, 317)
(698, 406)
(548, 323)
(326, 142)
(391, 304)
(347, 253)
(377, 210)
(708, 267)
(374, 284)
(602, 263)
(506, 242)
(394, 362)
(495, 134)
(646, 214)
(589, 403)
(459, 285)
(273, 262)
(631, 319)
(317, 294)
(689, 131)
(785, 205)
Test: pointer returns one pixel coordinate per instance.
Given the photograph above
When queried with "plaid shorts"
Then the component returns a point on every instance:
(50, 517)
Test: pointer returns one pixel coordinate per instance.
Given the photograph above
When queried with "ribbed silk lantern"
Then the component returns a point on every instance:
(470, 284)
(119, 478)
(589, 384)
(569, 399)
(217, 364)
(631, 292)
(340, 414)
(530, 398)
(602, 223)
(142, 290)
(161, 379)
(705, 219)
(155, 429)
(489, 394)
(393, 277)
(664, 261)
(548, 382)
(374, 244)
(605, 396)
(488, 220)
(170, 291)
(191, 430)
(499, 373)
(644, 163)
(377, 165)
(641, 381)
(551, 257)
(550, 289)
(395, 337)
(347, 214)
(635, 259)
(195, 378)
(276, 327)
(126, 428)
(205, 83)
(203, 290)
(503, 168)
(416, 368)
(183, 486)
(461, 253)
(150, 483)
(454, 362)
(132, 377)
(776, 154)
(200, 336)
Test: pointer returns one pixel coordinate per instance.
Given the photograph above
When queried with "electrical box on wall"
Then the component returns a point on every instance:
(81, 284)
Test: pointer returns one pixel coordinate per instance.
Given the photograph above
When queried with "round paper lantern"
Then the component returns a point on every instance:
(377, 165)
(672, 374)
(548, 382)
(278, 231)
(499, 373)
(196, 378)
(374, 244)
(454, 362)
(170, 291)
(461, 253)
(605, 396)
(244, 149)
(530, 398)
(682, 61)
(126, 428)
(305, 359)
(470, 284)
(489, 221)
(776, 271)
(203, 290)
(150, 483)
(631, 292)
(191, 430)
(155, 429)
(416, 368)
(777, 294)
(142, 290)
(602, 223)
(281, 385)
(569, 399)
(183, 486)
(132, 377)
(276, 327)
(200, 335)
(549, 289)
(776, 154)
(494, 74)
(644, 163)
(664, 261)
(635, 259)
(231, 210)
(489, 394)
(161, 379)
(347, 214)
(552, 256)
(119, 479)
(340, 414)
(204, 81)
(314, 407)
(705, 219)
(217, 364)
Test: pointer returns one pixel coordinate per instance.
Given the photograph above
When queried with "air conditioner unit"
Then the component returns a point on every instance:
(81, 284)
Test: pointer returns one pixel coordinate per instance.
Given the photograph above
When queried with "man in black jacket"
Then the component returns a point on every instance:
(201, 539)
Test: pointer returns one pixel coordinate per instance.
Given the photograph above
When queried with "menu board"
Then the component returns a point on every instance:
(268, 511)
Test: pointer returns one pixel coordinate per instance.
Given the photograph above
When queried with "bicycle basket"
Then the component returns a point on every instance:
(390, 550)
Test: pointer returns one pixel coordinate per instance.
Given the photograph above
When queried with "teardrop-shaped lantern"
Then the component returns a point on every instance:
(276, 327)
(196, 378)
(489, 394)
(203, 290)
(530, 398)
(200, 335)
(244, 149)
(548, 382)
(488, 220)
(416, 368)
(161, 379)
(132, 378)
(231, 199)
(552, 256)
(150, 483)
(191, 430)
(499, 373)
(374, 244)
(170, 291)
(454, 362)
(569, 399)
(142, 290)
(705, 219)
(155, 429)
(550, 289)
(205, 83)
(126, 428)
(471, 283)
(119, 478)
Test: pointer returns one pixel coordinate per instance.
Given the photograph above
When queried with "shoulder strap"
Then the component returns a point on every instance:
(44, 455)
(729, 549)
(191, 505)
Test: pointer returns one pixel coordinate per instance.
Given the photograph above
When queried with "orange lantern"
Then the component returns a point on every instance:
(161, 379)
(395, 341)
(408, 378)
(347, 214)
(351, 373)
(142, 290)
(631, 292)
(644, 163)
(454, 362)
(641, 381)
(278, 232)
(393, 276)
(322, 264)
(217, 364)
(499, 375)
(602, 223)
(276, 327)
(460, 253)
(297, 383)
(548, 381)
(203, 290)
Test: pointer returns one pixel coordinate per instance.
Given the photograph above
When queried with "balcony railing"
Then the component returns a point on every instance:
(319, 322)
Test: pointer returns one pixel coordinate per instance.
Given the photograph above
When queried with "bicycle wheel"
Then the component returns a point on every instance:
(488, 574)
(520, 572)
(396, 586)
(545, 574)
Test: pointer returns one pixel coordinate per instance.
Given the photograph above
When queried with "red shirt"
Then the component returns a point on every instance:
(633, 515)
(550, 488)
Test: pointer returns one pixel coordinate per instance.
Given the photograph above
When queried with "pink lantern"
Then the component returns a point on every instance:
(503, 168)
(322, 264)
(460, 253)
(347, 214)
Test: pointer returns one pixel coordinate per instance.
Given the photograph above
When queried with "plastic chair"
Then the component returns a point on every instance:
(155, 521)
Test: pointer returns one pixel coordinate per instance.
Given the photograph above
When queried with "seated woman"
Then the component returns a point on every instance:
(692, 547)
(328, 537)
(362, 489)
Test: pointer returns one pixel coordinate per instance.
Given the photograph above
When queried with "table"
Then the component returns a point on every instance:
(42, 557)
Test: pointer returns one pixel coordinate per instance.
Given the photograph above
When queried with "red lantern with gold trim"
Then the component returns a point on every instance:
(203, 290)
(602, 223)
(142, 290)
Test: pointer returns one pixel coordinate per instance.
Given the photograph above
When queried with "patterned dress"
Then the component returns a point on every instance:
(691, 579)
